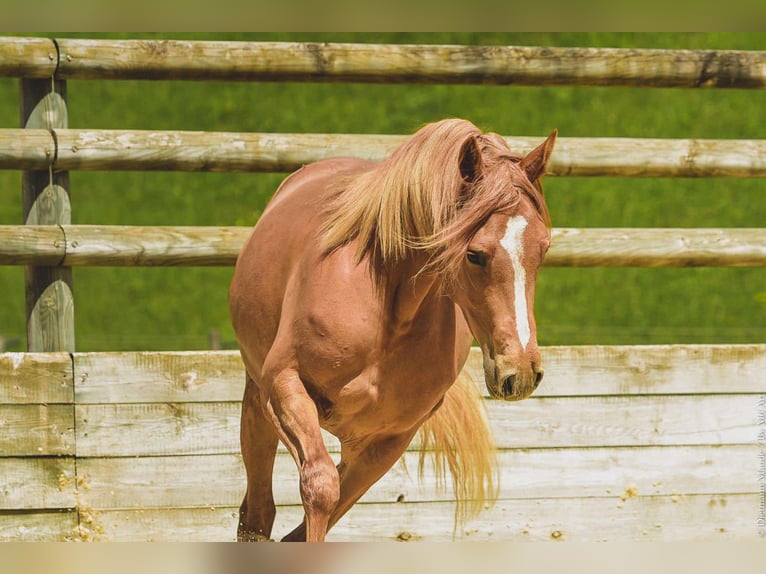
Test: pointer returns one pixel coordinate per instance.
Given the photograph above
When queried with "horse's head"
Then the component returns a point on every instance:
(476, 213)
(496, 283)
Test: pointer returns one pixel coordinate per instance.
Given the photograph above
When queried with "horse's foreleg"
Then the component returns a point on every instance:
(298, 427)
(259, 446)
(359, 470)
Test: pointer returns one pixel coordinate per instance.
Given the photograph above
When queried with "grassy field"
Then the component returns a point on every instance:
(177, 308)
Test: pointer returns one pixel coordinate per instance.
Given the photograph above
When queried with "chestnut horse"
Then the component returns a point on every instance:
(355, 301)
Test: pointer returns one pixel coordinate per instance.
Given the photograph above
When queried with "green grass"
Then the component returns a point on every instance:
(177, 308)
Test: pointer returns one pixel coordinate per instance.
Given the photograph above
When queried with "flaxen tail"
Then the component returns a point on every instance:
(458, 439)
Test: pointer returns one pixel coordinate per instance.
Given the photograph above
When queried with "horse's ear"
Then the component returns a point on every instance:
(535, 161)
(470, 160)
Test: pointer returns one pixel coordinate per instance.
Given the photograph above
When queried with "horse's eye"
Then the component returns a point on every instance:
(477, 258)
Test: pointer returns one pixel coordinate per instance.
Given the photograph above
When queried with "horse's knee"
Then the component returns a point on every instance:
(320, 486)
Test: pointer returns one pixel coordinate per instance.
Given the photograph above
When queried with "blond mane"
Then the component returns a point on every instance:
(431, 195)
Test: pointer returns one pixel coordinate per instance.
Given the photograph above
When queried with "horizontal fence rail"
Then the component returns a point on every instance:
(116, 245)
(379, 63)
(71, 149)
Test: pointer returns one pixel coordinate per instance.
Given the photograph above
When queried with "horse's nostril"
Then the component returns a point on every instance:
(508, 384)
(538, 378)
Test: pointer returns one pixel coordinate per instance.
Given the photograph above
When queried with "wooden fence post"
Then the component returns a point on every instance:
(49, 302)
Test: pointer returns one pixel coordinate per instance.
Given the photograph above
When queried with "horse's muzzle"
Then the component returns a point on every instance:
(510, 384)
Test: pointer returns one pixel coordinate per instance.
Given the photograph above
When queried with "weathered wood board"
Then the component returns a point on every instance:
(219, 480)
(36, 378)
(36, 430)
(588, 370)
(213, 428)
(661, 518)
(38, 526)
(37, 482)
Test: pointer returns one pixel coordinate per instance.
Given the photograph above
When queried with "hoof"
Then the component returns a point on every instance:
(252, 537)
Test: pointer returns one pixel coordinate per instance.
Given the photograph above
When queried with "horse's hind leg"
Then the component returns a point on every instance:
(259, 447)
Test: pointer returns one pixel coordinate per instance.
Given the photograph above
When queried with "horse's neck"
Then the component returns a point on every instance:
(409, 295)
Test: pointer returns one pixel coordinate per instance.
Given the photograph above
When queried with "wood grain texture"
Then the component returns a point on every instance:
(219, 480)
(657, 247)
(623, 421)
(34, 378)
(45, 198)
(132, 246)
(31, 245)
(157, 429)
(180, 376)
(614, 370)
(210, 151)
(43, 526)
(653, 425)
(26, 149)
(152, 246)
(27, 57)
(695, 517)
(37, 483)
(498, 65)
(213, 428)
(587, 370)
(36, 430)
(583, 247)
(276, 152)
(665, 518)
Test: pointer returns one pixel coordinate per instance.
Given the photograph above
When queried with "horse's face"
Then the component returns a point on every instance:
(497, 296)
(497, 288)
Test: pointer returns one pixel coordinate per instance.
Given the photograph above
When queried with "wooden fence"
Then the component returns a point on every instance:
(620, 443)
(647, 442)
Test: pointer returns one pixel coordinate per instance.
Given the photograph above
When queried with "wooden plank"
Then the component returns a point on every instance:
(27, 57)
(50, 526)
(202, 376)
(657, 518)
(116, 245)
(37, 483)
(213, 428)
(390, 63)
(144, 377)
(36, 430)
(219, 480)
(172, 428)
(624, 421)
(697, 517)
(45, 195)
(32, 378)
(276, 152)
(610, 370)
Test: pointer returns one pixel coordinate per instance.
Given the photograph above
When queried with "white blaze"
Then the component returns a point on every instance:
(513, 245)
